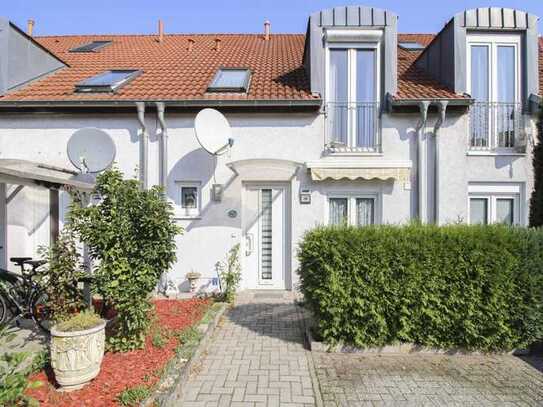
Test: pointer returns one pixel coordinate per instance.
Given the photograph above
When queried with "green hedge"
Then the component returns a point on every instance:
(477, 287)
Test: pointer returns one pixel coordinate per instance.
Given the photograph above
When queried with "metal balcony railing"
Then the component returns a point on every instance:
(496, 125)
(353, 127)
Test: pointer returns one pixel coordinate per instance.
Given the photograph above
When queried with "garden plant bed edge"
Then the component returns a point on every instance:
(169, 390)
(397, 349)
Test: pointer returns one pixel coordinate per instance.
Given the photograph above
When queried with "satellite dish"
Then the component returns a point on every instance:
(91, 150)
(213, 131)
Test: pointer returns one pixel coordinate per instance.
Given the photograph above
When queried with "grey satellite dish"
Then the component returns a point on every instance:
(91, 150)
(213, 131)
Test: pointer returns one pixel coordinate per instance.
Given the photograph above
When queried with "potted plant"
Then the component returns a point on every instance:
(193, 278)
(77, 349)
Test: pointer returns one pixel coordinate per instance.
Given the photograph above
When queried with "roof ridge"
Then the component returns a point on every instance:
(167, 34)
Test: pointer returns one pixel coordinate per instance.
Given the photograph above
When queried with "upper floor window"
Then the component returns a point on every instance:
(494, 81)
(107, 81)
(352, 98)
(93, 46)
(230, 80)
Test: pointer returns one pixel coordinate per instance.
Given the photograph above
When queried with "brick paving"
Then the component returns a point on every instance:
(256, 357)
(414, 380)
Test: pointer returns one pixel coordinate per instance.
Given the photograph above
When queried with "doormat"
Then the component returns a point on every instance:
(269, 295)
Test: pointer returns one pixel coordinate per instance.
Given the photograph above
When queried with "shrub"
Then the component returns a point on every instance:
(133, 396)
(230, 274)
(536, 201)
(131, 233)
(477, 287)
(60, 279)
(80, 322)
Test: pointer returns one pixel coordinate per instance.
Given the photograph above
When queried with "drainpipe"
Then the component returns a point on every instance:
(442, 112)
(421, 185)
(163, 149)
(144, 144)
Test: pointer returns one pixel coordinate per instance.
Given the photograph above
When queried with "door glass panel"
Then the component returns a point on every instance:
(478, 211)
(480, 111)
(338, 211)
(365, 211)
(266, 235)
(504, 210)
(366, 110)
(506, 96)
(338, 109)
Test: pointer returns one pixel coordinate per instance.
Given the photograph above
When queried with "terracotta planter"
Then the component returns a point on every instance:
(76, 356)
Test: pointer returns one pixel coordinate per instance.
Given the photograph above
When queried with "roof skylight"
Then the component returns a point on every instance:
(107, 81)
(411, 45)
(230, 80)
(91, 46)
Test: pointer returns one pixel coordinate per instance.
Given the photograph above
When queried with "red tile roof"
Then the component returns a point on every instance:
(172, 71)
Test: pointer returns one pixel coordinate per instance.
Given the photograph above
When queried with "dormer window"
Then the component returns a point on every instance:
(352, 96)
(494, 82)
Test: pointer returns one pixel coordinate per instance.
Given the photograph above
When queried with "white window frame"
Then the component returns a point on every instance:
(492, 42)
(351, 206)
(188, 213)
(351, 48)
(493, 192)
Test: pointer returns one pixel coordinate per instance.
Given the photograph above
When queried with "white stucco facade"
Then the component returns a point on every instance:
(270, 149)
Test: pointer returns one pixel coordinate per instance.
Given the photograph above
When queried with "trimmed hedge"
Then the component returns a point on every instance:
(475, 287)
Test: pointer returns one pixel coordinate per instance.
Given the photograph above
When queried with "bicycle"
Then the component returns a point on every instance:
(21, 296)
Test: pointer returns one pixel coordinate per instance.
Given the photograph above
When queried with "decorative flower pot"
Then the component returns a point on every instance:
(76, 356)
(193, 279)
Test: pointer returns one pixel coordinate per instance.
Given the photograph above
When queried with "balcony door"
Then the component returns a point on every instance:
(494, 83)
(352, 97)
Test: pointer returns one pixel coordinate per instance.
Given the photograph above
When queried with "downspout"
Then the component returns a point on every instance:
(144, 144)
(442, 111)
(421, 185)
(163, 149)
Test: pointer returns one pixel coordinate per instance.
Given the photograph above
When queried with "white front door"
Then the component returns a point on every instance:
(264, 215)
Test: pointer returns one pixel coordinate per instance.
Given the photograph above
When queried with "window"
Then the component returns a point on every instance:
(494, 82)
(230, 80)
(91, 47)
(108, 81)
(352, 210)
(411, 46)
(189, 199)
(352, 101)
(494, 203)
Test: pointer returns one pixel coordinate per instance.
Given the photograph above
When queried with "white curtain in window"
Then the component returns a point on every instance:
(478, 211)
(338, 211)
(504, 211)
(366, 111)
(365, 211)
(338, 109)
(480, 91)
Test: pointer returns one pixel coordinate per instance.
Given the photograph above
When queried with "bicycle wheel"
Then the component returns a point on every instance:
(40, 311)
(4, 310)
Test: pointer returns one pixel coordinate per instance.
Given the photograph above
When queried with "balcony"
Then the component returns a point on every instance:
(353, 127)
(497, 126)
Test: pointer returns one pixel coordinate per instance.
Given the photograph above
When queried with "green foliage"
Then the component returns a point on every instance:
(230, 274)
(80, 322)
(131, 233)
(477, 287)
(536, 201)
(132, 396)
(59, 279)
(13, 377)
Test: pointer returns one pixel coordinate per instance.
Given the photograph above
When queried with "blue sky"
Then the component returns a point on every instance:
(216, 16)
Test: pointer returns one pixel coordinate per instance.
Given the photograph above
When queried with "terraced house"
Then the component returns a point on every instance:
(349, 122)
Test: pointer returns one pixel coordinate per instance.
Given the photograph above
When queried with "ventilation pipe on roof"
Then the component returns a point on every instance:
(442, 111)
(267, 27)
(421, 184)
(163, 149)
(217, 44)
(191, 44)
(160, 31)
(144, 144)
(30, 27)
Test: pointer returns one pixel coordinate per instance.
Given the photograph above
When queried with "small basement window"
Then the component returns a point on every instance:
(189, 199)
(411, 46)
(108, 81)
(91, 46)
(230, 80)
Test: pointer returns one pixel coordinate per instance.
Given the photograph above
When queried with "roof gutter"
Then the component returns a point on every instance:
(416, 102)
(309, 103)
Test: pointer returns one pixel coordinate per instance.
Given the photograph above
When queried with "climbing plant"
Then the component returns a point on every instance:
(536, 201)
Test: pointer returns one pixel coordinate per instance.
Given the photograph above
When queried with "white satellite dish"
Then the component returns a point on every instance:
(91, 150)
(213, 131)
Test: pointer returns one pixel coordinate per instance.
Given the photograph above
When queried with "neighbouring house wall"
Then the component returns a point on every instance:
(297, 137)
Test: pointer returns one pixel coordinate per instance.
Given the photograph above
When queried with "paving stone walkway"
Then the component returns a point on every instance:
(414, 380)
(256, 357)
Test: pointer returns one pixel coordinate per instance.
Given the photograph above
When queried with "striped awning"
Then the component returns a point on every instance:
(372, 170)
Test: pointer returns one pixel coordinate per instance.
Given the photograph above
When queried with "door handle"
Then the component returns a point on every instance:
(249, 241)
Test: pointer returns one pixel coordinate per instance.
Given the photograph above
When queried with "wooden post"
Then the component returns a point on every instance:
(54, 221)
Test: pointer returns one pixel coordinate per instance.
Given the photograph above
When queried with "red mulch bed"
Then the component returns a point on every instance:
(122, 370)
